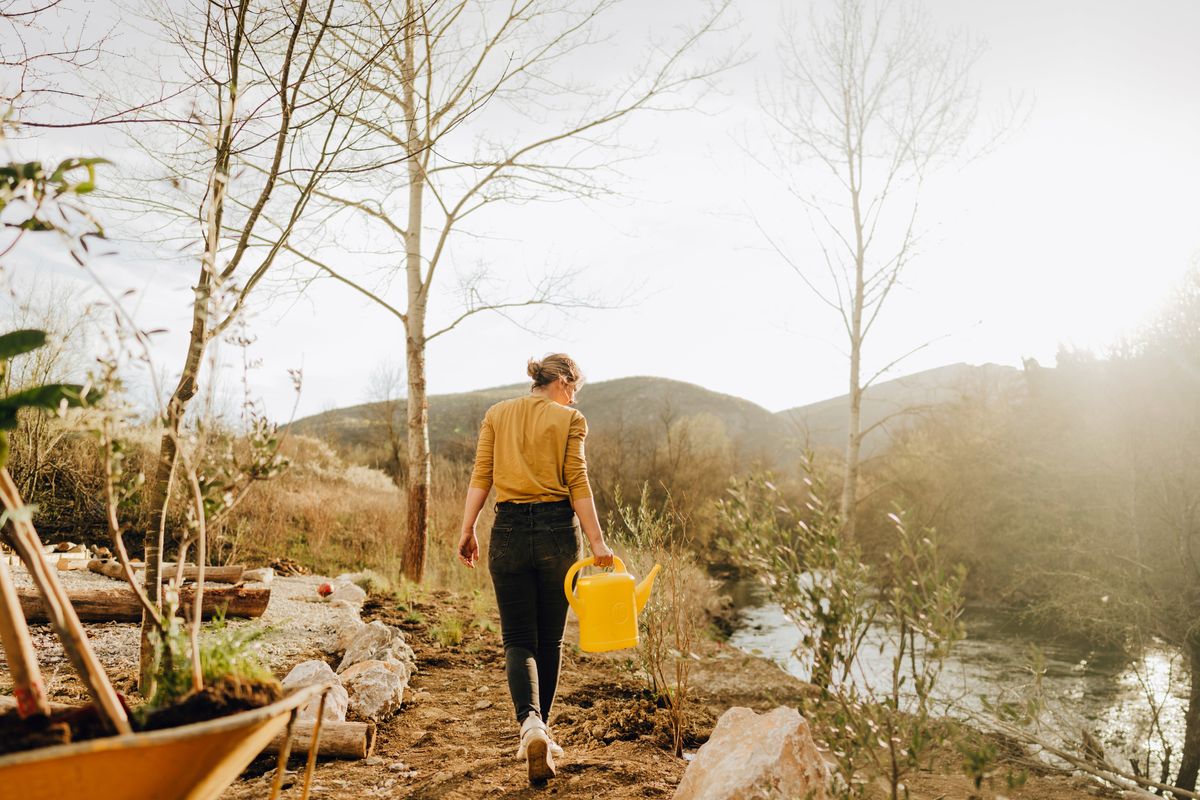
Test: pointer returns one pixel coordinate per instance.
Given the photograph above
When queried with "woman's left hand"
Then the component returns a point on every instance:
(468, 548)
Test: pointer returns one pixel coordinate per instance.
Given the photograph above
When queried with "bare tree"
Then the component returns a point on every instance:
(41, 43)
(875, 99)
(474, 107)
(243, 163)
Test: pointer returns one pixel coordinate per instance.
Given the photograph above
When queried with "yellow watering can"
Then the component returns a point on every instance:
(607, 605)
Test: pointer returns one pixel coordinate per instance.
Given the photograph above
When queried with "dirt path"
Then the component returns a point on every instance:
(456, 737)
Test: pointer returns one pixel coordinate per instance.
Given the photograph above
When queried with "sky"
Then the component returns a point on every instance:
(1071, 232)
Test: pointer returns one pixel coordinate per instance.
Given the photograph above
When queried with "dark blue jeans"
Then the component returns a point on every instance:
(532, 547)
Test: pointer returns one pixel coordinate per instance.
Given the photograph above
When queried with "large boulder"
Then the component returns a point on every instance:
(376, 689)
(307, 673)
(751, 756)
(376, 641)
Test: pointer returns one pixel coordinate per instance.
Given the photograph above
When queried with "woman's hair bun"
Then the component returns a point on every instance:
(553, 367)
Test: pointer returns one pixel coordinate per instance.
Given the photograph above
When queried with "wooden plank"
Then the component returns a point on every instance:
(120, 604)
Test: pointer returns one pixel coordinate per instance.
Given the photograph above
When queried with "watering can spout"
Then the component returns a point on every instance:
(642, 591)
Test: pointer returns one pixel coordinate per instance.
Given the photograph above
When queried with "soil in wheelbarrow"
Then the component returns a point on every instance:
(18, 734)
(224, 696)
(63, 726)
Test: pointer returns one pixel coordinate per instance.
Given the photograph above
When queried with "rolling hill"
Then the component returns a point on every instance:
(645, 404)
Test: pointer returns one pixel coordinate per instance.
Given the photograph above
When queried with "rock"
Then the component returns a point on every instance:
(260, 575)
(307, 673)
(398, 766)
(362, 666)
(376, 691)
(483, 704)
(347, 623)
(750, 756)
(379, 642)
(349, 592)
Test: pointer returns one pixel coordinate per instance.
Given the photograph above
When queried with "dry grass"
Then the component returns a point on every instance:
(338, 517)
(327, 514)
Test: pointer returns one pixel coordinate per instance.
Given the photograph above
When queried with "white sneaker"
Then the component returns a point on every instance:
(555, 749)
(535, 748)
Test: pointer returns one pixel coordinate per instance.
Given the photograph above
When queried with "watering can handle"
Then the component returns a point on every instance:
(618, 565)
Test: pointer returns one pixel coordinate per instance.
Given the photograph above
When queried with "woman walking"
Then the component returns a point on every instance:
(531, 450)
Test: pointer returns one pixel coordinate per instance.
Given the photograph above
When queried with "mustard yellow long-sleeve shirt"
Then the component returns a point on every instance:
(531, 448)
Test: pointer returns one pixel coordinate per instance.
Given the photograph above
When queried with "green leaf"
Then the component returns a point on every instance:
(18, 342)
(48, 397)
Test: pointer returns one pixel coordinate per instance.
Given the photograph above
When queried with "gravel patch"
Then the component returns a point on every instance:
(299, 626)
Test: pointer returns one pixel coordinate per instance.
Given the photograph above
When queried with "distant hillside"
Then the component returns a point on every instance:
(647, 404)
(824, 424)
(633, 404)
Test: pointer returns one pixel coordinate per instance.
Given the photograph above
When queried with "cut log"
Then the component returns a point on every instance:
(120, 604)
(112, 568)
(344, 740)
(230, 574)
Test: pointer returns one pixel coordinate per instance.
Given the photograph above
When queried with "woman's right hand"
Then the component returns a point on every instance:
(602, 554)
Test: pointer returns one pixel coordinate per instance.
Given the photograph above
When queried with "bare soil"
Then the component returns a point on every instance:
(228, 695)
(456, 737)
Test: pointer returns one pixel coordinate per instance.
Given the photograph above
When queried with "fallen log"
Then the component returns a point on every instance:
(112, 568)
(343, 740)
(120, 604)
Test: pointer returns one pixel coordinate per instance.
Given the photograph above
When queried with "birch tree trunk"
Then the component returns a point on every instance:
(419, 467)
(849, 505)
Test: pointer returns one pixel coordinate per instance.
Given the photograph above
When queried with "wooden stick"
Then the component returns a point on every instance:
(120, 604)
(313, 745)
(59, 610)
(284, 752)
(28, 688)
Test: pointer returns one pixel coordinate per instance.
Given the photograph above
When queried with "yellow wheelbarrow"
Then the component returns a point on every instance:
(190, 762)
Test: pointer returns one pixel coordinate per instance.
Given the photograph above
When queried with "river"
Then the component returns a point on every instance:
(1105, 691)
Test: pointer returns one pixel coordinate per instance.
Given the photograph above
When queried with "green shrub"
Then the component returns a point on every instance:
(224, 651)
